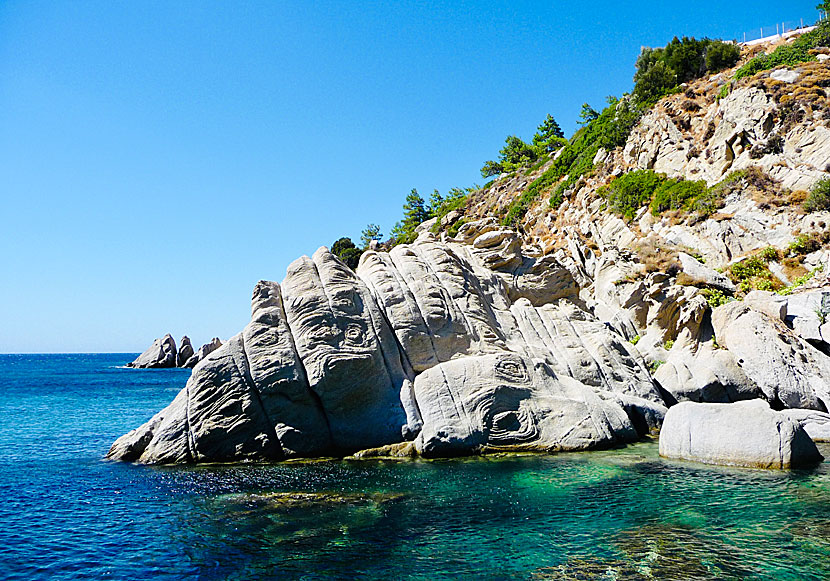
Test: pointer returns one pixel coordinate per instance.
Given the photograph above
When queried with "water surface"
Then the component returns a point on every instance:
(618, 514)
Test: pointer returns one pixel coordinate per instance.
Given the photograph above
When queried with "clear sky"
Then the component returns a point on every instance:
(158, 158)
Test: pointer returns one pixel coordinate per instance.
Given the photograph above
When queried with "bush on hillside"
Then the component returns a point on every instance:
(631, 191)
(346, 251)
(819, 198)
(788, 54)
(676, 194)
(661, 70)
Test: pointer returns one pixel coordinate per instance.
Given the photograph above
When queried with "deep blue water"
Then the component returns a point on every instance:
(619, 514)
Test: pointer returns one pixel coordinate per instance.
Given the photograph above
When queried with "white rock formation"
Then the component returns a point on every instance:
(746, 433)
(161, 354)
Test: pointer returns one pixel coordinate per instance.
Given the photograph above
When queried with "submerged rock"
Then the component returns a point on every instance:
(746, 433)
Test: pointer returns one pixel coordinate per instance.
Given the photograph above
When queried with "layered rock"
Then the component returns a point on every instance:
(746, 433)
(505, 402)
(333, 362)
(163, 354)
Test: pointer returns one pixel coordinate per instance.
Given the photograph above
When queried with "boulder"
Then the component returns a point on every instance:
(746, 433)
(784, 75)
(185, 351)
(788, 370)
(161, 354)
(769, 303)
(506, 402)
(816, 424)
(705, 375)
(203, 352)
(700, 272)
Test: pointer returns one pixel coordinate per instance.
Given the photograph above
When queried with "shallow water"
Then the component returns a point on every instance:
(618, 514)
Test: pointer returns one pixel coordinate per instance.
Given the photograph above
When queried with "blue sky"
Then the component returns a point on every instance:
(158, 158)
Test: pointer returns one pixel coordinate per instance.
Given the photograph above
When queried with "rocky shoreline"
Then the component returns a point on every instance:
(453, 347)
(567, 324)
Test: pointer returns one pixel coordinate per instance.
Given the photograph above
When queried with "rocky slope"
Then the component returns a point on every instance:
(577, 331)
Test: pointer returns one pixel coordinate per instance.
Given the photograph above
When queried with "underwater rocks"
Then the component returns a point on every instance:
(746, 433)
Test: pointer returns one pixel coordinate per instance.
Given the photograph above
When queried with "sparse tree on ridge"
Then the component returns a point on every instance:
(371, 232)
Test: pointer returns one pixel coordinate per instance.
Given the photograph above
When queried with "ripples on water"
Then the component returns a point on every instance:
(619, 514)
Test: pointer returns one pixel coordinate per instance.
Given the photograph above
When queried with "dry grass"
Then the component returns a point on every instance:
(657, 257)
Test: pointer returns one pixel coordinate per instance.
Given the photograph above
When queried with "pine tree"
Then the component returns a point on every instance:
(371, 232)
(549, 136)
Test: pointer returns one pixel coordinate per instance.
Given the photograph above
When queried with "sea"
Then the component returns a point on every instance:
(66, 513)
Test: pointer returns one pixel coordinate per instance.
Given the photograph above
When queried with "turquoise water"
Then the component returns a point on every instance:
(620, 514)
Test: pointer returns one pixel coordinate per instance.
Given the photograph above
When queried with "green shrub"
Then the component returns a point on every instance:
(556, 198)
(661, 70)
(788, 54)
(749, 268)
(631, 191)
(769, 254)
(804, 244)
(452, 231)
(819, 198)
(715, 297)
(721, 55)
(676, 194)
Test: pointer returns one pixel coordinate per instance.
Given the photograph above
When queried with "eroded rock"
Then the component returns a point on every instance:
(746, 433)
(161, 354)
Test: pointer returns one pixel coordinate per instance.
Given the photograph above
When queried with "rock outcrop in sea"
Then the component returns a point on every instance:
(574, 329)
(162, 354)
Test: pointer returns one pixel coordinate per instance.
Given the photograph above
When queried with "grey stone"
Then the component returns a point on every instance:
(705, 375)
(692, 267)
(505, 402)
(161, 354)
(746, 433)
(203, 352)
(784, 75)
(185, 351)
(788, 370)
(769, 303)
(816, 424)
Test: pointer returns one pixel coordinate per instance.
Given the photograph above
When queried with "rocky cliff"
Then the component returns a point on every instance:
(577, 329)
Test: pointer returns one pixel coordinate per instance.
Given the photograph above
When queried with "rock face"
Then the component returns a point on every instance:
(185, 351)
(408, 348)
(161, 354)
(746, 433)
(203, 352)
(505, 402)
(787, 369)
(579, 330)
